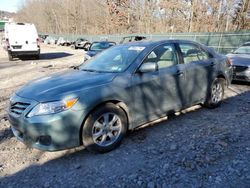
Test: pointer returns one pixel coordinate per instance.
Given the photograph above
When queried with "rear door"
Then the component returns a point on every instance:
(198, 65)
(23, 37)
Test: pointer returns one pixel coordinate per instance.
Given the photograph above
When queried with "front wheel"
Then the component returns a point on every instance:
(37, 57)
(104, 129)
(216, 93)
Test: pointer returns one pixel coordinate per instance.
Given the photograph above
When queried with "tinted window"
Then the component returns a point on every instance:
(192, 53)
(163, 55)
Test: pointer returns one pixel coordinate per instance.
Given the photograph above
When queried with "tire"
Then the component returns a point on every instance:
(37, 57)
(76, 47)
(215, 93)
(10, 57)
(104, 128)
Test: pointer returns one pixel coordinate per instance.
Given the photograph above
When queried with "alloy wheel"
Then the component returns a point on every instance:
(217, 93)
(106, 129)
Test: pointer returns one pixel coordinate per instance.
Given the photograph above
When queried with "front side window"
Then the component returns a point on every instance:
(192, 53)
(163, 55)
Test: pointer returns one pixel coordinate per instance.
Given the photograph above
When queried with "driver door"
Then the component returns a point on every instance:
(156, 93)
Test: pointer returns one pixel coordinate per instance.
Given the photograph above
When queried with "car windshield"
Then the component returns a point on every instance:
(243, 50)
(116, 59)
(99, 46)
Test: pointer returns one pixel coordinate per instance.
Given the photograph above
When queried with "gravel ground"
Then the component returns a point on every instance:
(197, 147)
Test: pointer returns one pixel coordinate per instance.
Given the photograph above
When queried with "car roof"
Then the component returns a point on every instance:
(148, 43)
(103, 42)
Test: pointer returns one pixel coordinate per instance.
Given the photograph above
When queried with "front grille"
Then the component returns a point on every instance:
(18, 107)
(240, 68)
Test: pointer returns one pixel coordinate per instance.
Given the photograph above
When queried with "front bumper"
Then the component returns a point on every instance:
(48, 132)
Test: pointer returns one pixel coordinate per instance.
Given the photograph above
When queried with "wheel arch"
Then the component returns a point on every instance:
(221, 75)
(117, 103)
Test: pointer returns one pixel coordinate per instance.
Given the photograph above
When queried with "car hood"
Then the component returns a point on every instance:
(61, 85)
(240, 59)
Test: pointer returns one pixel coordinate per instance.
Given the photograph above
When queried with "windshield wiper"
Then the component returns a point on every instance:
(90, 70)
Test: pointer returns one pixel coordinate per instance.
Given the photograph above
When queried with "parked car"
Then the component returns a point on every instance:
(63, 42)
(120, 89)
(21, 40)
(42, 37)
(81, 43)
(50, 40)
(97, 47)
(240, 59)
(132, 39)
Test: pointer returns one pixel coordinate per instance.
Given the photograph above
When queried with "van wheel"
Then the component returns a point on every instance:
(37, 57)
(104, 128)
(10, 57)
(216, 93)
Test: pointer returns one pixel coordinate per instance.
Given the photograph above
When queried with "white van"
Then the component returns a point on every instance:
(21, 40)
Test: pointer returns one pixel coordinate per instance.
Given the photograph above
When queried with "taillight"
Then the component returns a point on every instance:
(229, 62)
(7, 43)
(38, 42)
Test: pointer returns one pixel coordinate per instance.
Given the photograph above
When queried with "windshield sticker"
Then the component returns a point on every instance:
(136, 48)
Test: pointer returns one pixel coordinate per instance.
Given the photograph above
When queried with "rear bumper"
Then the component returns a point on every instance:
(24, 53)
(241, 75)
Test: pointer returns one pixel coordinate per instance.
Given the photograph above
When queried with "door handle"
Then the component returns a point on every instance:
(180, 73)
(212, 64)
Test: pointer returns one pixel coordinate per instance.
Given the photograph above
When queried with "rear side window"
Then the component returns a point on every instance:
(191, 53)
(163, 55)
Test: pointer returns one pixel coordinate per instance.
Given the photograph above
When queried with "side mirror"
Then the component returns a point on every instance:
(148, 67)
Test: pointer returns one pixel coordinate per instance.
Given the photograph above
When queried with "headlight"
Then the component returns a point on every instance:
(86, 57)
(51, 107)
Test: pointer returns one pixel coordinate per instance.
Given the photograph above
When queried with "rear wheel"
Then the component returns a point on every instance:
(216, 93)
(10, 57)
(104, 129)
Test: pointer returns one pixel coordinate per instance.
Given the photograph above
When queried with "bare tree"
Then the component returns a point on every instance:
(135, 16)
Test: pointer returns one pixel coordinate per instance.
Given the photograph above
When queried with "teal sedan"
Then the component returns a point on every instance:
(118, 90)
